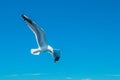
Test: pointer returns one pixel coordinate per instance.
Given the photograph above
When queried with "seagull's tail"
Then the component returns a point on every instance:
(56, 54)
(35, 51)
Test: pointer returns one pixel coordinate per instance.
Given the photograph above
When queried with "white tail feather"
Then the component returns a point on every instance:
(35, 51)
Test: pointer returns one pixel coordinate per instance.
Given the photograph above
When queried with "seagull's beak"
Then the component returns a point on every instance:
(26, 18)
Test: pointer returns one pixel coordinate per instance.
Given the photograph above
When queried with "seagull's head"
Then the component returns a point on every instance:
(56, 54)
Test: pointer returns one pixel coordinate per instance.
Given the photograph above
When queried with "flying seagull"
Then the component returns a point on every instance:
(41, 40)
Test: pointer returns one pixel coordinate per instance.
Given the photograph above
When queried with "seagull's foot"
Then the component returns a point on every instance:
(35, 51)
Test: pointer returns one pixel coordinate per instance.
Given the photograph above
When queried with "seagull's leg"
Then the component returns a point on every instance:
(35, 51)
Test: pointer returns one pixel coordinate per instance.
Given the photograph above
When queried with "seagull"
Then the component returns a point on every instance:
(41, 40)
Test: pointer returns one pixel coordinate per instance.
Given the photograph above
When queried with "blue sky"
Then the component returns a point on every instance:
(86, 31)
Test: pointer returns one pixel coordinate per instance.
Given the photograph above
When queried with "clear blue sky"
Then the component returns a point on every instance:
(86, 31)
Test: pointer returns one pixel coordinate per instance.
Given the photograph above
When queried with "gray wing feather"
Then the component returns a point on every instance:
(38, 31)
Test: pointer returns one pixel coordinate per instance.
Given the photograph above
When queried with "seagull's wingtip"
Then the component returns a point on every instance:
(23, 16)
(56, 59)
(26, 18)
(56, 55)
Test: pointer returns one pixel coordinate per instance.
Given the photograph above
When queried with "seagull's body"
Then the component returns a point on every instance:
(41, 40)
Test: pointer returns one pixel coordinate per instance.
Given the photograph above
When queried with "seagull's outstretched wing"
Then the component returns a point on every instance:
(38, 31)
